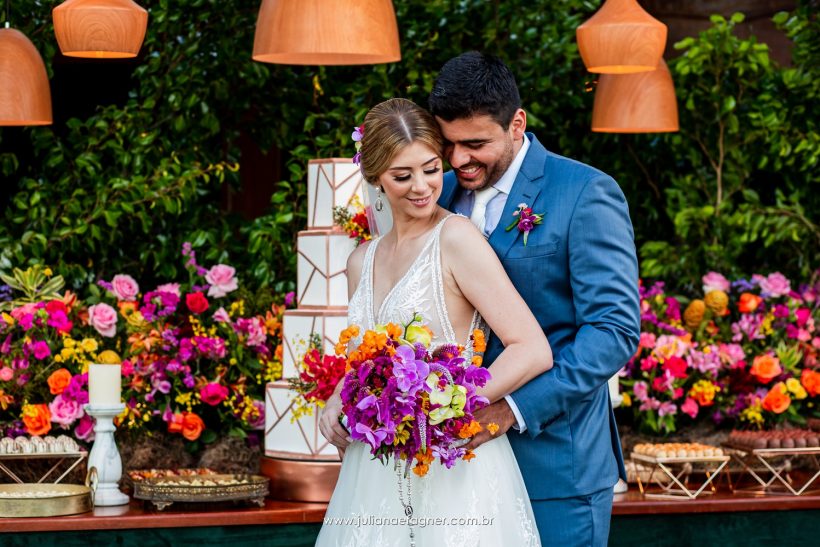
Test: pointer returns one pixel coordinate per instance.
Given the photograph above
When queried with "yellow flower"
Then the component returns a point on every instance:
(89, 345)
(627, 400)
(8, 319)
(693, 316)
(492, 428)
(796, 388)
(717, 301)
(47, 272)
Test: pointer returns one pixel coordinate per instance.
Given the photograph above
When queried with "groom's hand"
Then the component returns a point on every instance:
(329, 425)
(498, 413)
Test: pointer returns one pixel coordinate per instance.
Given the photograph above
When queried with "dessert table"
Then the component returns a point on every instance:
(723, 518)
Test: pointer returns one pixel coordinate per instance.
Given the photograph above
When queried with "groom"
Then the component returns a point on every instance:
(577, 271)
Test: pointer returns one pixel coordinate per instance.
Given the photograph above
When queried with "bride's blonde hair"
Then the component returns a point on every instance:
(389, 127)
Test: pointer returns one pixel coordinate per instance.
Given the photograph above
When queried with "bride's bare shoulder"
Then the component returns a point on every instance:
(459, 235)
(356, 260)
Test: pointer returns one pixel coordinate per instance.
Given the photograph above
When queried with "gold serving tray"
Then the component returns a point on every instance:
(163, 491)
(57, 500)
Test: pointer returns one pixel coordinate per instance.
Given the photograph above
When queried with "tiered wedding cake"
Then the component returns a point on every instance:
(322, 308)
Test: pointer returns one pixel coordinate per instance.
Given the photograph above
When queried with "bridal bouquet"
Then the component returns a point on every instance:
(407, 402)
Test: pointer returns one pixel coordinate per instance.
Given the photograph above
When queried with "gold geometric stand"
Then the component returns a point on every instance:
(678, 471)
(74, 459)
(776, 461)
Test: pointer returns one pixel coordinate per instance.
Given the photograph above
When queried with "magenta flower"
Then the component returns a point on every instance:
(65, 411)
(213, 393)
(690, 407)
(85, 429)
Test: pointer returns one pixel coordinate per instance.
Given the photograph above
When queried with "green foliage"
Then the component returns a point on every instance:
(121, 189)
(745, 161)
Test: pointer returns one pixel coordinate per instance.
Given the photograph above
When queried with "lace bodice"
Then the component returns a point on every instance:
(419, 291)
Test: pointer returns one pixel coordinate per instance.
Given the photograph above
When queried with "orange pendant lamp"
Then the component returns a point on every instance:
(621, 38)
(101, 29)
(643, 102)
(326, 32)
(25, 96)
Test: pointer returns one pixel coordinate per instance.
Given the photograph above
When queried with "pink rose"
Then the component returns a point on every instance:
(775, 285)
(213, 393)
(222, 280)
(104, 319)
(65, 411)
(690, 407)
(714, 281)
(85, 429)
(172, 288)
(221, 316)
(25, 309)
(6, 374)
(125, 287)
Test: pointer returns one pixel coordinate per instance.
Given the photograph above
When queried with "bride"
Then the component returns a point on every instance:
(439, 265)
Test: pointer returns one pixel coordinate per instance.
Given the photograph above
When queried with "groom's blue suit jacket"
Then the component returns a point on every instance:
(579, 275)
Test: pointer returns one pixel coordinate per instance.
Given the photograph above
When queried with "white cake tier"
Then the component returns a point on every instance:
(298, 439)
(298, 325)
(321, 268)
(331, 182)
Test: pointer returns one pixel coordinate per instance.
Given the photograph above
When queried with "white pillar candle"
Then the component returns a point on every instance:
(104, 385)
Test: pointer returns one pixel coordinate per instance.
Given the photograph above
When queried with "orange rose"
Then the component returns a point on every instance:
(811, 381)
(777, 399)
(175, 425)
(766, 368)
(192, 426)
(748, 302)
(58, 381)
(37, 419)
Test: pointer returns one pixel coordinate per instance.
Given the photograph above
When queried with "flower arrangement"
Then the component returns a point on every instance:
(45, 349)
(744, 353)
(408, 403)
(319, 373)
(354, 222)
(525, 220)
(196, 355)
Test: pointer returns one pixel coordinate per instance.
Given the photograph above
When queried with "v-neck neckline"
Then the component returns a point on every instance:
(377, 312)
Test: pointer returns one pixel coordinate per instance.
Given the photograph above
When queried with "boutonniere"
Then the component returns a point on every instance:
(526, 220)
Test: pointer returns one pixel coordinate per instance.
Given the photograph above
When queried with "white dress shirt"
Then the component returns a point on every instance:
(464, 206)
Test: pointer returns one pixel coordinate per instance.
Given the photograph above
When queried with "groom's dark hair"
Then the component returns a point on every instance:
(475, 83)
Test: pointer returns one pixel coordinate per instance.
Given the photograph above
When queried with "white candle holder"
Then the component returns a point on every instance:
(105, 456)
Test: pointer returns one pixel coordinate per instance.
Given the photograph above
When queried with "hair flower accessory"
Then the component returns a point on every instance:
(526, 221)
(357, 136)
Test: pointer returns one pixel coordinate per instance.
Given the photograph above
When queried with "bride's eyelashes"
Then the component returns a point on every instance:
(405, 178)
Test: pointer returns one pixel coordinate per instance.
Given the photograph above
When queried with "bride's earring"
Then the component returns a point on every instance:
(379, 205)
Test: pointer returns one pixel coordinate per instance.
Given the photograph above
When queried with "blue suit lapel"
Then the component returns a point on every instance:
(525, 189)
(448, 191)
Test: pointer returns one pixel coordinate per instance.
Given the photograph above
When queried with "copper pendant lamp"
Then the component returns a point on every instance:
(101, 29)
(326, 32)
(636, 103)
(621, 38)
(25, 96)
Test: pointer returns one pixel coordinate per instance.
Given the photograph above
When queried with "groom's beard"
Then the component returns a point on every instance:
(492, 172)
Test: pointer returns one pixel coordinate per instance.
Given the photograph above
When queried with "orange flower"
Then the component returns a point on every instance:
(192, 426)
(766, 368)
(468, 456)
(777, 400)
(421, 469)
(469, 430)
(748, 302)
(811, 381)
(37, 419)
(58, 381)
(693, 315)
(492, 428)
(479, 341)
(175, 425)
(425, 457)
(393, 331)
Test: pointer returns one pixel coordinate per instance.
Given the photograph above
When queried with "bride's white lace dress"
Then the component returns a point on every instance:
(480, 502)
